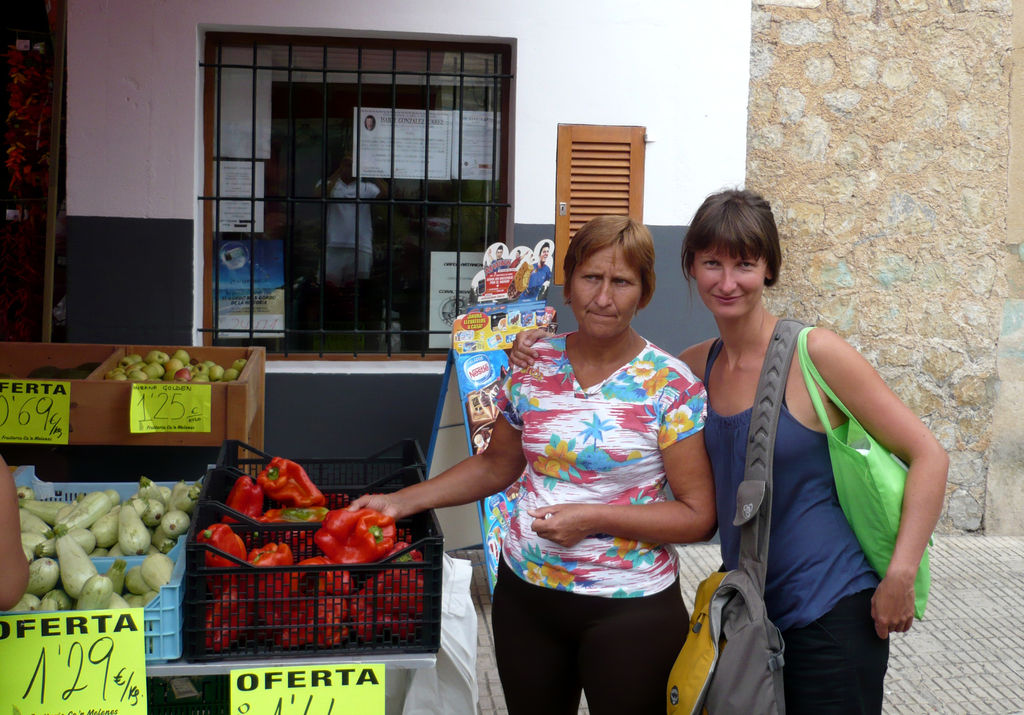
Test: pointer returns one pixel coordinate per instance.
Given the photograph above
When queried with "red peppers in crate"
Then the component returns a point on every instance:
(220, 536)
(356, 537)
(227, 619)
(391, 601)
(286, 482)
(245, 497)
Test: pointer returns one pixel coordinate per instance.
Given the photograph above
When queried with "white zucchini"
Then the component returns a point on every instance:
(31, 522)
(156, 570)
(86, 512)
(75, 565)
(95, 593)
(43, 575)
(132, 535)
(105, 528)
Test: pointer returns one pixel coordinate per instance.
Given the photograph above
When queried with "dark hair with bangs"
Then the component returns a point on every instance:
(739, 223)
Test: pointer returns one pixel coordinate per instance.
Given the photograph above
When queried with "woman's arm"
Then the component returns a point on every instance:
(690, 517)
(896, 427)
(473, 478)
(13, 565)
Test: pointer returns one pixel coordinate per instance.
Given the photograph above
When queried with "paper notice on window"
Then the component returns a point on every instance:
(448, 297)
(243, 179)
(420, 150)
(475, 157)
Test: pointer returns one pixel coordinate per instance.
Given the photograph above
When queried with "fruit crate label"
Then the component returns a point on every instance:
(35, 411)
(73, 662)
(174, 407)
(309, 690)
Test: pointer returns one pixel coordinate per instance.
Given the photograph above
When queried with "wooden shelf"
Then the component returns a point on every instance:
(100, 408)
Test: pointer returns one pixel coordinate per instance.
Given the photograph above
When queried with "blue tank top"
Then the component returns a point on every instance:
(814, 559)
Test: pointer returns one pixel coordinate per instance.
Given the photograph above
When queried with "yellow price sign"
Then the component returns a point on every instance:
(73, 662)
(35, 411)
(170, 407)
(355, 689)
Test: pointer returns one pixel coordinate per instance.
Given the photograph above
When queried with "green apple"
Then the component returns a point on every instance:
(182, 355)
(112, 373)
(208, 363)
(239, 364)
(156, 356)
(137, 374)
(173, 365)
(128, 360)
(198, 367)
(216, 373)
(154, 370)
(201, 377)
(229, 375)
(118, 376)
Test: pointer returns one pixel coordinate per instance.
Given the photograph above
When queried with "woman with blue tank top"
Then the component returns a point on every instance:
(834, 613)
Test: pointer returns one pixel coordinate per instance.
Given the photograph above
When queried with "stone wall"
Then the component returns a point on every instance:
(879, 131)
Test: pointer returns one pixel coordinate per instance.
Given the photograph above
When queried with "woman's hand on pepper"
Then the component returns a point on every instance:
(564, 524)
(522, 355)
(389, 504)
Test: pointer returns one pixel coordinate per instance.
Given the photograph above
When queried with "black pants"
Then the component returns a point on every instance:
(837, 663)
(551, 644)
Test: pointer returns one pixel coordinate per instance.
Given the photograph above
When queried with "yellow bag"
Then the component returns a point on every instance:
(691, 675)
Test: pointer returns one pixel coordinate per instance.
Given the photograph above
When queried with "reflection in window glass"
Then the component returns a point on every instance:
(341, 167)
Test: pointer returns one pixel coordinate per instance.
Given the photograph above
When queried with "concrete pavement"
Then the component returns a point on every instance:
(965, 657)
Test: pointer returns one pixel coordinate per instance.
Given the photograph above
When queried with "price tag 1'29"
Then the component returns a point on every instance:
(355, 689)
(170, 407)
(35, 411)
(77, 662)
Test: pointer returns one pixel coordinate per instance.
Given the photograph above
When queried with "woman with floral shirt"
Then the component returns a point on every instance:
(587, 597)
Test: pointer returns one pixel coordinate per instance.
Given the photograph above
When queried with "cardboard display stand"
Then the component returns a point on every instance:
(474, 374)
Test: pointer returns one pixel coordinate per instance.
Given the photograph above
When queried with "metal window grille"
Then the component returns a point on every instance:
(350, 188)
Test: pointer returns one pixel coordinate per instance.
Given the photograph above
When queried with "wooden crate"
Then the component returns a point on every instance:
(100, 408)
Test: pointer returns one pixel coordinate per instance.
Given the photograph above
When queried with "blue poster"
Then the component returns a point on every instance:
(251, 273)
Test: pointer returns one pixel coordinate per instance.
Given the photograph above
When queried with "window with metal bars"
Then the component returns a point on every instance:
(351, 187)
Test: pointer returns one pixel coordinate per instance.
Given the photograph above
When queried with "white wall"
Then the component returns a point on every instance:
(677, 67)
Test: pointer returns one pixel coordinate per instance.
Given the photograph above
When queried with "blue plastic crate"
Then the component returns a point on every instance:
(163, 616)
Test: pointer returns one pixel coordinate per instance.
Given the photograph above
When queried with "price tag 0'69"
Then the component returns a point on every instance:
(36, 411)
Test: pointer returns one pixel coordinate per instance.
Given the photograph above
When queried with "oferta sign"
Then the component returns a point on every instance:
(356, 689)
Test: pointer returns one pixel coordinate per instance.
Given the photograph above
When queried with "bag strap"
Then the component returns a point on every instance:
(812, 377)
(754, 496)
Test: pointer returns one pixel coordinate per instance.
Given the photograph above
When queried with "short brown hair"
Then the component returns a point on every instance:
(631, 236)
(738, 222)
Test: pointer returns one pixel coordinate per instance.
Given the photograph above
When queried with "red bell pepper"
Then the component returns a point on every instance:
(355, 537)
(272, 554)
(287, 482)
(316, 611)
(295, 514)
(220, 536)
(227, 620)
(245, 497)
(390, 601)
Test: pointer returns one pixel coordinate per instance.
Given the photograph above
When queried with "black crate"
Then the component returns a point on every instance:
(246, 611)
(202, 695)
(341, 472)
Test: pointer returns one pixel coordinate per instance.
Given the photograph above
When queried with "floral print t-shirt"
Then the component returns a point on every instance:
(599, 445)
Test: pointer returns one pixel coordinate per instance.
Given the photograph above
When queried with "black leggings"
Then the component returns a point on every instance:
(837, 663)
(551, 644)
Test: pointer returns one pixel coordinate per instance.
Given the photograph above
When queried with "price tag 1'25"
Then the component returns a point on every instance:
(73, 662)
(36, 411)
(170, 407)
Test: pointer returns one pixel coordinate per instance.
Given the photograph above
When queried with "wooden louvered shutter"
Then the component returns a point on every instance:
(600, 170)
